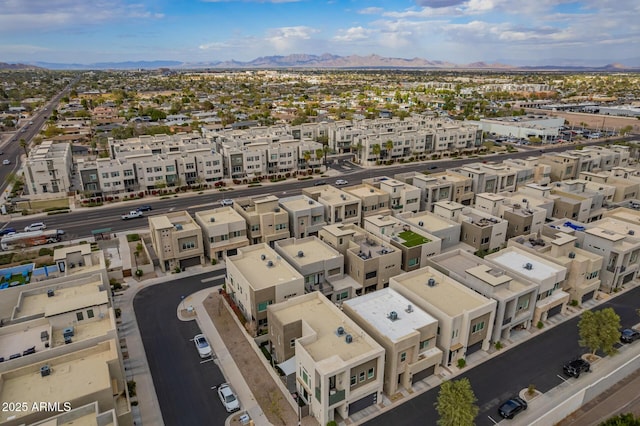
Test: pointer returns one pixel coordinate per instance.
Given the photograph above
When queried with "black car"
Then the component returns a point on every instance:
(575, 367)
(512, 407)
(629, 335)
(144, 208)
(320, 182)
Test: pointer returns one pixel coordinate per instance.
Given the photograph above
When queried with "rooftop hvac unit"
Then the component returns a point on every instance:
(344, 197)
(631, 232)
(269, 264)
(572, 255)
(45, 370)
(371, 190)
(311, 202)
(431, 282)
(393, 315)
(263, 256)
(528, 266)
(340, 331)
(300, 253)
(421, 223)
(348, 338)
(213, 219)
(68, 332)
(50, 293)
(178, 226)
(409, 309)
(276, 209)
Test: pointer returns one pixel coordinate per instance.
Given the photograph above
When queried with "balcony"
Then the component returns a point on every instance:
(336, 396)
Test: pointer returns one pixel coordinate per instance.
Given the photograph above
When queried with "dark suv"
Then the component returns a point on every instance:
(575, 367)
(512, 407)
(629, 335)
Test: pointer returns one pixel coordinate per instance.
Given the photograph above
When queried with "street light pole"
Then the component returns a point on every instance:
(182, 302)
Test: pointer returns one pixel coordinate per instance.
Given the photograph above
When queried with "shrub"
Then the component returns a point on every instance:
(574, 302)
(45, 252)
(131, 387)
(139, 273)
(540, 325)
(133, 237)
(462, 363)
(116, 286)
(498, 345)
(177, 269)
(531, 390)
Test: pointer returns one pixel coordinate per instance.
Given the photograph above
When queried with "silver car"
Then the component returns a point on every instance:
(204, 349)
(228, 398)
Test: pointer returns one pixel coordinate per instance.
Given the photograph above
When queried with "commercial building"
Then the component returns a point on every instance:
(339, 368)
(465, 318)
(406, 332)
(266, 221)
(177, 240)
(258, 277)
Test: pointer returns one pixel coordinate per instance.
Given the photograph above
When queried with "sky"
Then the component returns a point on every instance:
(515, 32)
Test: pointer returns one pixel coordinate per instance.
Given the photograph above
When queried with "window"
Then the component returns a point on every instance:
(361, 377)
(292, 343)
(79, 316)
(171, 168)
(105, 175)
(280, 226)
(190, 166)
(115, 174)
(263, 306)
(424, 344)
(353, 380)
(413, 262)
(370, 373)
(403, 357)
(370, 275)
(342, 296)
(477, 327)
(255, 228)
(188, 245)
(90, 313)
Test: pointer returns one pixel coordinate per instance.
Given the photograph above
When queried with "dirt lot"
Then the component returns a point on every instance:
(596, 121)
(265, 391)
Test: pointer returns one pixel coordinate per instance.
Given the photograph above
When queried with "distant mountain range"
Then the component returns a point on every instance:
(327, 61)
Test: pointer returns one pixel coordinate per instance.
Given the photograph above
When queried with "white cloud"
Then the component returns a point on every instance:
(352, 34)
(371, 11)
(285, 39)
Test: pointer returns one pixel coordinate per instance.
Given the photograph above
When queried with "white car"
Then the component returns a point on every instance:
(228, 398)
(341, 182)
(226, 202)
(204, 349)
(38, 226)
(6, 162)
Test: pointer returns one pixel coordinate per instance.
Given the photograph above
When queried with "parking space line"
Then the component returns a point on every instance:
(491, 418)
(217, 277)
(206, 360)
(562, 378)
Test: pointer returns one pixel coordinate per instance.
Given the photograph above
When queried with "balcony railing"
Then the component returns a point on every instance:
(336, 396)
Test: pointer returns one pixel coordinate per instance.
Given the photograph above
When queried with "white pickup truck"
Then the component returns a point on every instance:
(132, 215)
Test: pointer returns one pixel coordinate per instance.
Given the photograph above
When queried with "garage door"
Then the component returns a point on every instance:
(363, 403)
(588, 296)
(423, 374)
(554, 311)
(474, 348)
(192, 261)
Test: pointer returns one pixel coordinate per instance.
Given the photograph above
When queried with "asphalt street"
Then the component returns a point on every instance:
(80, 223)
(182, 380)
(537, 361)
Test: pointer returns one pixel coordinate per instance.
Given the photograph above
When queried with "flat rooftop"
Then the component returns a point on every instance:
(256, 270)
(313, 250)
(172, 219)
(430, 222)
(65, 299)
(363, 191)
(344, 230)
(620, 226)
(220, 215)
(375, 308)
(323, 321)
(517, 260)
(606, 234)
(299, 203)
(447, 294)
(72, 376)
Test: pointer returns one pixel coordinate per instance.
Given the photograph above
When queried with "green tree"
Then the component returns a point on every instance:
(599, 330)
(307, 157)
(375, 149)
(456, 403)
(627, 419)
(388, 145)
(625, 130)
(24, 145)
(319, 154)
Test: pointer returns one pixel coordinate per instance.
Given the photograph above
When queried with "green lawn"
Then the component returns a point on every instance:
(411, 239)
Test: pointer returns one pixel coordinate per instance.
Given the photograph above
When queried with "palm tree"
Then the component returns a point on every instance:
(24, 145)
(389, 147)
(307, 157)
(320, 154)
(375, 149)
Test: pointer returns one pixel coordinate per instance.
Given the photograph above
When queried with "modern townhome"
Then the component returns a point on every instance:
(446, 229)
(619, 248)
(59, 343)
(306, 216)
(448, 185)
(339, 368)
(223, 232)
(75, 260)
(177, 240)
(516, 298)
(522, 216)
(563, 165)
(465, 317)
(321, 266)
(403, 196)
(339, 206)
(583, 267)
(573, 201)
(257, 277)
(374, 201)
(266, 221)
(415, 244)
(482, 231)
(406, 332)
(48, 170)
(626, 185)
(548, 276)
(529, 170)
